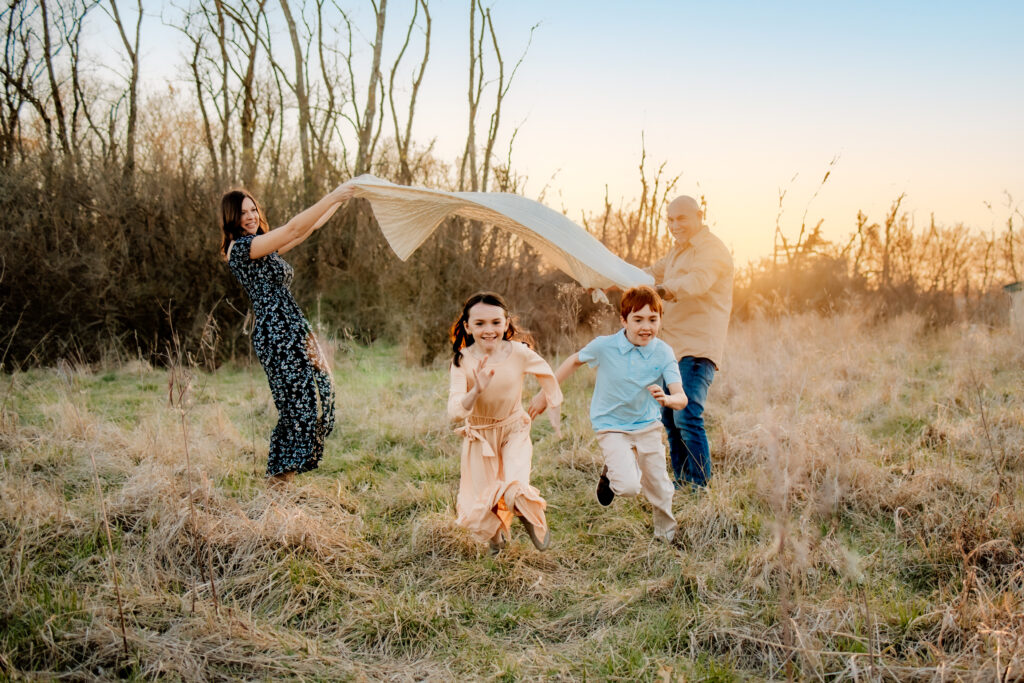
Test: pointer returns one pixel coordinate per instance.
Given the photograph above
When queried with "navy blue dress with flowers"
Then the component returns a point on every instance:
(300, 381)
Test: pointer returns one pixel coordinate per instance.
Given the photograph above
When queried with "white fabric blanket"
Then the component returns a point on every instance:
(408, 215)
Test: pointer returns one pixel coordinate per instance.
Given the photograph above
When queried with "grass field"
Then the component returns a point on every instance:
(865, 522)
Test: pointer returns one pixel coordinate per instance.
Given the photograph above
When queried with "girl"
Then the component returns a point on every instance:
(299, 378)
(486, 390)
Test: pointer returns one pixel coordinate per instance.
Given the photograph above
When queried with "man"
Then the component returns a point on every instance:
(695, 280)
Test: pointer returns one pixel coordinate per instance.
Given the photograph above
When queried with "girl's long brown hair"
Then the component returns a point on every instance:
(460, 338)
(231, 218)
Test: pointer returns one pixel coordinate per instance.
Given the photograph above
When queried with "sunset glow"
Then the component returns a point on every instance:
(744, 100)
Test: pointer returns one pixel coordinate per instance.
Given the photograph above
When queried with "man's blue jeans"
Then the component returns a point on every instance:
(687, 441)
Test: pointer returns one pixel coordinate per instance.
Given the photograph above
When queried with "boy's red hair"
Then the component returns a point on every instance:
(635, 298)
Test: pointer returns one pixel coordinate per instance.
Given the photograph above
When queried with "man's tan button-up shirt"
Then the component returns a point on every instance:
(699, 275)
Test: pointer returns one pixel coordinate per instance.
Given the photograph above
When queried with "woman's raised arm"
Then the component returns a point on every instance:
(301, 226)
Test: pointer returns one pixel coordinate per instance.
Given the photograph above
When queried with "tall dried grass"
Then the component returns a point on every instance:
(863, 523)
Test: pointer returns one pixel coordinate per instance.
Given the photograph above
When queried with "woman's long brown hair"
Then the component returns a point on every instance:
(231, 218)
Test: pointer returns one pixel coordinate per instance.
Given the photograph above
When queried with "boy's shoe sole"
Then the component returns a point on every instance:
(605, 495)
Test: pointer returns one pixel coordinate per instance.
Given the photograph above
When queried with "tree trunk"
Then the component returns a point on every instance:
(303, 101)
(58, 106)
(132, 49)
(365, 152)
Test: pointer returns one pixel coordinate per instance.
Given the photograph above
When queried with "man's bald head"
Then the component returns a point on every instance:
(684, 218)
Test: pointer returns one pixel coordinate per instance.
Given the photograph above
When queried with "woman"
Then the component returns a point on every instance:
(300, 381)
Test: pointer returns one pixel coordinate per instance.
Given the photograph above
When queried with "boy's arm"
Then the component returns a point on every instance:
(540, 402)
(675, 399)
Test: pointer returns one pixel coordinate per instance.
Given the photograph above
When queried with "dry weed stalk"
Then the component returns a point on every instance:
(110, 551)
(7, 421)
(1000, 460)
(780, 503)
(67, 375)
(569, 302)
(247, 329)
(181, 374)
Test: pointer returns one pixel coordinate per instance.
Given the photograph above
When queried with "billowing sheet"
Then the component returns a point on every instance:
(408, 215)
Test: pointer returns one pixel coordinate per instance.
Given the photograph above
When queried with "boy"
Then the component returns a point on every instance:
(631, 367)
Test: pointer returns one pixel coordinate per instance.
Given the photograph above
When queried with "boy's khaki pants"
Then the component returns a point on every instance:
(636, 462)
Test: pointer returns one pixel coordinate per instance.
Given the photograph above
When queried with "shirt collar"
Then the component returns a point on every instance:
(697, 237)
(625, 346)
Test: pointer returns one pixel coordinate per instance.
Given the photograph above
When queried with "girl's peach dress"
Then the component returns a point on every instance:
(496, 447)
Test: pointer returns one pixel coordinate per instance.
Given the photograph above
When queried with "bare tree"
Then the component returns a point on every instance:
(19, 72)
(26, 58)
(238, 105)
(404, 138)
(197, 72)
(131, 48)
(249, 18)
(477, 85)
(299, 88)
(501, 91)
(635, 233)
(70, 21)
(210, 75)
(324, 123)
(55, 96)
(887, 244)
(365, 125)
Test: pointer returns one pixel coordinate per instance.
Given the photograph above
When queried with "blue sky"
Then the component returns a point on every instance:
(749, 98)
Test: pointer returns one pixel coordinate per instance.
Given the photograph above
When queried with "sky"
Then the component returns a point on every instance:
(747, 100)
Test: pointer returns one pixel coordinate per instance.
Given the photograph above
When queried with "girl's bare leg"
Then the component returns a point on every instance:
(496, 543)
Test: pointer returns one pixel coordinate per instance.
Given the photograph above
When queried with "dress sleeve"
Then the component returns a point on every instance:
(457, 389)
(240, 251)
(537, 366)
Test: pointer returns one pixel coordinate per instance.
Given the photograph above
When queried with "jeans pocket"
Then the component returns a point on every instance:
(707, 371)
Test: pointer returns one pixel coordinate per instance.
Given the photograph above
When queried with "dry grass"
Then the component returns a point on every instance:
(864, 523)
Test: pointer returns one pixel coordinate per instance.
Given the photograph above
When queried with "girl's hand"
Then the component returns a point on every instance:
(658, 393)
(482, 376)
(538, 405)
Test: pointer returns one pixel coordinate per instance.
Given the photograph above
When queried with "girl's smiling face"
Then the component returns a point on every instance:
(487, 324)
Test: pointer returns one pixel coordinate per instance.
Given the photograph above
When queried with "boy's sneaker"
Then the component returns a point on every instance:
(605, 495)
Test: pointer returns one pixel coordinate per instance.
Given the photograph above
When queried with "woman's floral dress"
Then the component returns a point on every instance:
(300, 381)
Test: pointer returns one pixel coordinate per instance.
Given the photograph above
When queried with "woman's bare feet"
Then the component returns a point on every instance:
(280, 481)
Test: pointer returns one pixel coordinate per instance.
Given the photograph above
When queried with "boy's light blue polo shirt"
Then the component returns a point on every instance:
(624, 371)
